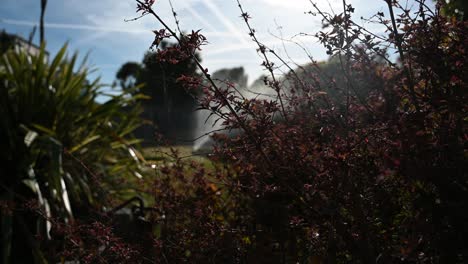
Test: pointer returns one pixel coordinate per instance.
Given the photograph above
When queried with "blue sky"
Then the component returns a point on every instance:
(98, 27)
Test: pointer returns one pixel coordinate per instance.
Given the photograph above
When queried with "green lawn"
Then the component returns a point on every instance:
(158, 155)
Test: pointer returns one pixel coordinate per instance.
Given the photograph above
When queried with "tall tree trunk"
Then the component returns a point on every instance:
(41, 26)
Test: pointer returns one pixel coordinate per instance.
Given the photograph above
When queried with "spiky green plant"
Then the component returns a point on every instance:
(57, 144)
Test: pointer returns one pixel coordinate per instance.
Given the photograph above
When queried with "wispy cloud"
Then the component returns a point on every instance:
(72, 26)
(96, 28)
(190, 9)
(97, 25)
(226, 22)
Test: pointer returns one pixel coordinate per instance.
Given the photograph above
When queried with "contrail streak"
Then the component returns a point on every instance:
(94, 28)
(191, 10)
(227, 23)
(71, 26)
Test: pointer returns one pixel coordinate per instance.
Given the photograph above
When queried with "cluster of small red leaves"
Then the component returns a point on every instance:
(172, 55)
(144, 6)
(193, 41)
(159, 36)
(93, 243)
(190, 83)
(185, 49)
(7, 207)
(190, 214)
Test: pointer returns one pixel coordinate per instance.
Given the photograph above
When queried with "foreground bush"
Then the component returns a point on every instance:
(378, 176)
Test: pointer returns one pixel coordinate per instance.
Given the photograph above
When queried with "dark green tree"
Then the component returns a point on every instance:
(128, 75)
(456, 8)
(170, 108)
(7, 41)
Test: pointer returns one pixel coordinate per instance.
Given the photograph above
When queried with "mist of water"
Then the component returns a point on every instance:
(207, 126)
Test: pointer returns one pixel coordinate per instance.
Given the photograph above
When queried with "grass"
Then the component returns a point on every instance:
(158, 155)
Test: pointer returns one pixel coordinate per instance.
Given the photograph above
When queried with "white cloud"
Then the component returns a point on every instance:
(100, 25)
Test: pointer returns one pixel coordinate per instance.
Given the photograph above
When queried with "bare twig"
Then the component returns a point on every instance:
(216, 89)
(41, 21)
(399, 43)
(268, 65)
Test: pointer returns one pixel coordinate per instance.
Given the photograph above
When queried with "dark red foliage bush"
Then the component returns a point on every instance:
(367, 168)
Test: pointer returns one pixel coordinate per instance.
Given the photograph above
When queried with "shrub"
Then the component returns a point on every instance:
(51, 126)
(378, 176)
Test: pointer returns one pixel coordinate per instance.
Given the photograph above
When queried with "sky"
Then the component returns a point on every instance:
(99, 27)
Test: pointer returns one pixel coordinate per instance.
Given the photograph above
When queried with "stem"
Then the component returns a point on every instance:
(216, 89)
(268, 65)
(41, 21)
(346, 70)
(398, 44)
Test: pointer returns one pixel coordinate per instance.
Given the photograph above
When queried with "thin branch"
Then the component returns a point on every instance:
(41, 21)
(216, 89)
(399, 42)
(174, 14)
(268, 64)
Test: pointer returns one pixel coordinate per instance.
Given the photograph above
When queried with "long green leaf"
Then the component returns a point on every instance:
(85, 142)
(55, 63)
(43, 129)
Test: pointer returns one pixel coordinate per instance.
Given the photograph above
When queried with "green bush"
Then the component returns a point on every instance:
(50, 126)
